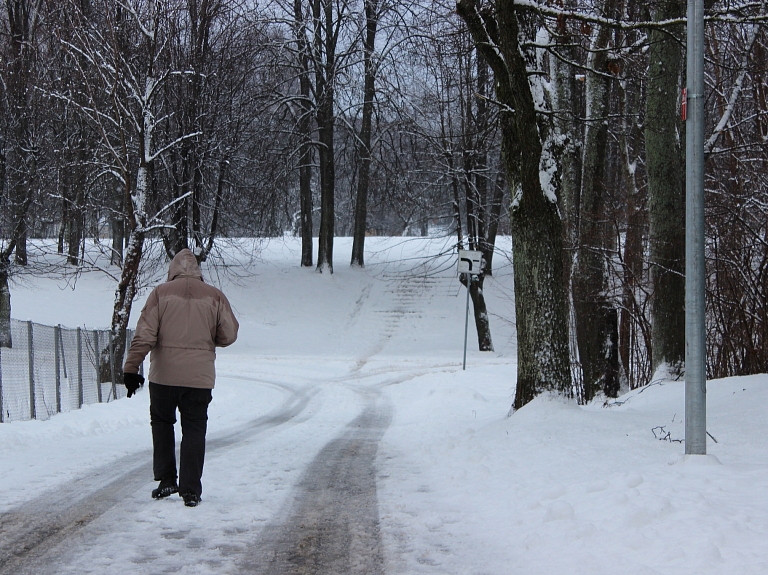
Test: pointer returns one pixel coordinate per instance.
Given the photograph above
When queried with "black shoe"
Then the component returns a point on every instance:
(165, 489)
(191, 499)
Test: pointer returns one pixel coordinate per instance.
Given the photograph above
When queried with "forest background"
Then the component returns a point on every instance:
(154, 125)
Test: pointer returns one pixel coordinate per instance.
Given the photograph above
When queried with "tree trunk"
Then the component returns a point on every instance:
(632, 323)
(566, 123)
(327, 187)
(540, 296)
(176, 238)
(494, 216)
(76, 235)
(593, 310)
(22, 24)
(118, 239)
(364, 147)
(124, 296)
(325, 44)
(5, 305)
(482, 322)
(666, 185)
(305, 137)
(63, 223)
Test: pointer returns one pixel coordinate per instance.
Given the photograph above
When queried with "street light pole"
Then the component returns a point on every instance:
(695, 335)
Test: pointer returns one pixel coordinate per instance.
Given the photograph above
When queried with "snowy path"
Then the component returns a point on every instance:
(342, 383)
(32, 533)
(322, 513)
(333, 525)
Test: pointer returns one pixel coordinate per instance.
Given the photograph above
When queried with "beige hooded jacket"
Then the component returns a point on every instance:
(182, 323)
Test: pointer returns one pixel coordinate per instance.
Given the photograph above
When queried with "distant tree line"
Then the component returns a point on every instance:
(174, 123)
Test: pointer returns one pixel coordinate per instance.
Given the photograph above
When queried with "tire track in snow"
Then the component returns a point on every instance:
(332, 527)
(409, 297)
(29, 532)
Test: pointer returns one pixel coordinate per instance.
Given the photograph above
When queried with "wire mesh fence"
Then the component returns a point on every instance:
(54, 369)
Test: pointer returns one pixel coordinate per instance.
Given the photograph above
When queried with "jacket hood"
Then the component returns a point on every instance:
(184, 265)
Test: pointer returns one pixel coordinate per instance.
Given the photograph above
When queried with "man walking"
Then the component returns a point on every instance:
(182, 323)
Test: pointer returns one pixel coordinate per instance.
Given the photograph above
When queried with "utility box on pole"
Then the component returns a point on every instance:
(470, 262)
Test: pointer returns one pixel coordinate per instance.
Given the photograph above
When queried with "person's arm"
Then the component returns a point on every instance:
(226, 325)
(145, 338)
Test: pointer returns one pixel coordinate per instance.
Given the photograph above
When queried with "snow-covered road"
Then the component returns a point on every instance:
(344, 437)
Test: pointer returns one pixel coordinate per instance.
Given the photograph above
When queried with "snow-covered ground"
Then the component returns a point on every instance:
(462, 489)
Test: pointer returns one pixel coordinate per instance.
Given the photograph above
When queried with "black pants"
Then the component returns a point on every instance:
(192, 404)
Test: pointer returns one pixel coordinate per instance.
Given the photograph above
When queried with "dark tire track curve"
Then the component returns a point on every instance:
(29, 532)
(332, 526)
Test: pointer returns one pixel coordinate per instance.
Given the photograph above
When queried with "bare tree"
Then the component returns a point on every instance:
(540, 296)
(666, 184)
(122, 56)
(20, 161)
(364, 144)
(596, 318)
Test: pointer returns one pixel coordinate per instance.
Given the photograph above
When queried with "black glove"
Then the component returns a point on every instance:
(132, 382)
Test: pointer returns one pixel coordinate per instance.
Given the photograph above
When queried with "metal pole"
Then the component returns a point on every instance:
(31, 361)
(98, 363)
(466, 321)
(2, 412)
(112, 364)
(79, 368)
(56, 330)
(695, 336)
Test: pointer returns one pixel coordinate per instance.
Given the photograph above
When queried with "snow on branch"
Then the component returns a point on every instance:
(149, 33)
(730, 17)
(733, 99)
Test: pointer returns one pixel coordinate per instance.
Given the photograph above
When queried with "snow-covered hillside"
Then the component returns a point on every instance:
(461, 488)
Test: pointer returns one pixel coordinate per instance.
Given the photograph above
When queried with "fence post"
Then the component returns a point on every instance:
(79, 369)
(56, 332)
(31, 360)
(112, 363)
(98, 363)
(2, 411)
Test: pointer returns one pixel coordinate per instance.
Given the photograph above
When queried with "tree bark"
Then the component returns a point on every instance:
(540, 296)
(22, 15)
(666, 185)
(6, 339)
(305, 137)
(325, 71)
(593, 310)
(494, 216)
(118, 239)
(364, 146)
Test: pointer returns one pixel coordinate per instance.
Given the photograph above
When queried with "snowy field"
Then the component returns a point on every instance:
(462, 489)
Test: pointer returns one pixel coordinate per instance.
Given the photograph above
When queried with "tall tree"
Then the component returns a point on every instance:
(540, 295)
(304, 128)
(122, 55)
(666, 184)
(596, 317)
(21, 157)
(326, 23)
(364, 142)
(475, 132)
